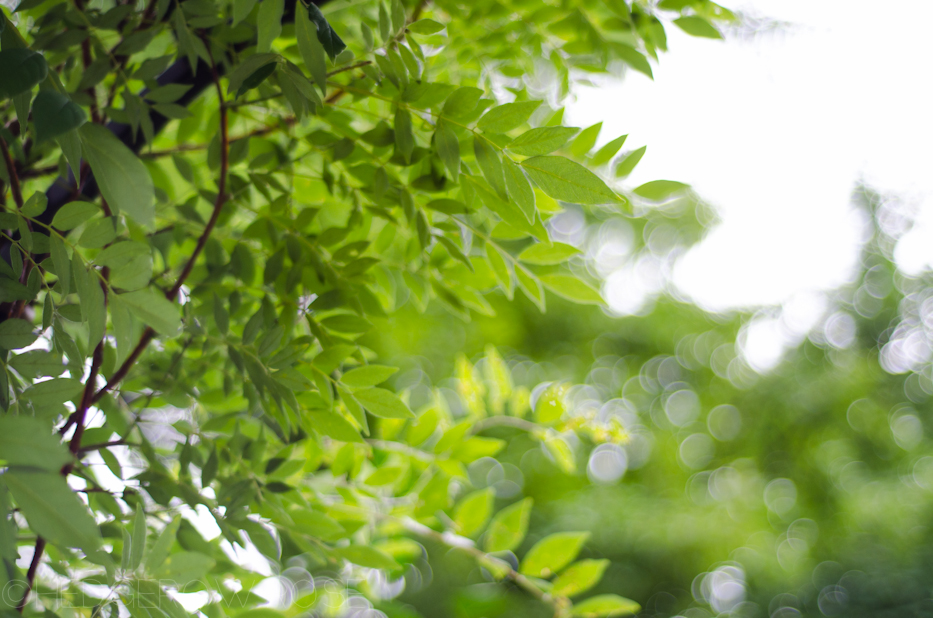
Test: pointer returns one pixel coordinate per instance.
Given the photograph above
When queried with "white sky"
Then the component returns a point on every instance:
(775, 131)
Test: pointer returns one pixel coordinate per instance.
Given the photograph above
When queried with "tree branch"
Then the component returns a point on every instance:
(219, 202)
(31, 573)
(11, 172)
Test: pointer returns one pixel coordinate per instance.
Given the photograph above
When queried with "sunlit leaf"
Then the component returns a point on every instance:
(552, 553)
(605, 605)
(567, 180)
(508, 528)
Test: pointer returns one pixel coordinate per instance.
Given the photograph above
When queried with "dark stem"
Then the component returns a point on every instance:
(31, 573)
(11, 171)
(102, 445)
(148, 334)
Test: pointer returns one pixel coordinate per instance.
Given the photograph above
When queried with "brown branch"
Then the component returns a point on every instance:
(149, 333)
(416, 14)
(11, 171)
(221, 192)
(103, 445)
(86, 59)
(349, 68)
(190, 147)
(31, 573)
(39, 171)
(120, 373)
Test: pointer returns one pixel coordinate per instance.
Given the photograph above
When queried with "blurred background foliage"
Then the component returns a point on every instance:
(805, 490)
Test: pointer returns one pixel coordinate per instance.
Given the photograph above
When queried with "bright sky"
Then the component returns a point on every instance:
(775, 131)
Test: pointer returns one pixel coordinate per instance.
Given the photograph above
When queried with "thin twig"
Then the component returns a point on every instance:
(103, 445)
(221, 199)
(11, 172)
(511, 574)
(31, 573)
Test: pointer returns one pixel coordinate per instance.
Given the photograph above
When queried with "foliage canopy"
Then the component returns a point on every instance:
(241, 191)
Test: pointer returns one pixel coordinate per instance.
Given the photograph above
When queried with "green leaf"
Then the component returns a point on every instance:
(98, 233)
(333, 425)
(70, 143)
(242, 9)
(184, 567)
(626, 165)
(130, 264)
(462, 102)
(541, 141)
(16, 333)
(579, 577)
(550, 405)
(634, 59)
(604, 154)
(330, 359)
(121, 252)
(55, 114)
(123, 179)
(383, 403)
(546, 254)
(448, 148)
(53, 392)
(697, 26)
(658, 190)
(308, 521)
(311, 50)
(398, 16)
(269, 24)
(404, 138)
(20, 70)
(531, 286)
(473, 511)
(507, 117)
(61, 263)
(552, 553)
(367, 557)
(27, 441)
(500, 269)
(139, 539)
(519, 189)
(254, 79)
(505, 209)
(37, 363)
(35, 205)
(383, 476)
(152, 309)
(448, 206)
(73, 214)
(331, 43)
(52, 510)
(346, 323)
(605, 605)
(569, 181)
(367, 376)
(489, 162)
(425, 26)
(508, 527)
(162, 546)
(585, 140)
(247, 69)
(385, 27)
(571, 288)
